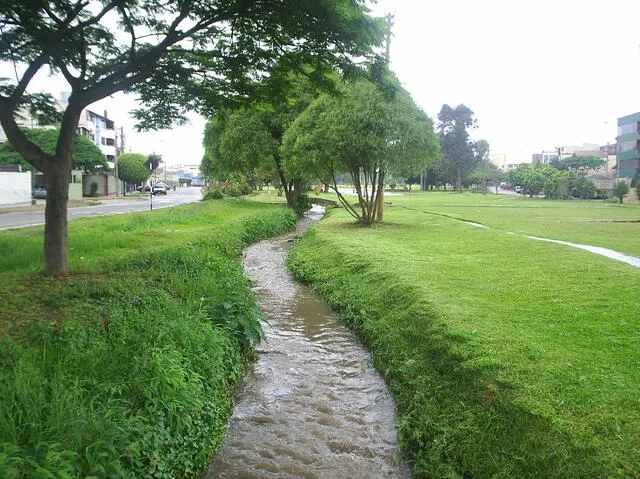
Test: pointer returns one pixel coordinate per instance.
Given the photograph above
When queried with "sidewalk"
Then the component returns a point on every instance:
(40, 204)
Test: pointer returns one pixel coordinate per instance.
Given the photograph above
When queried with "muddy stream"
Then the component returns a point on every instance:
(312, 405)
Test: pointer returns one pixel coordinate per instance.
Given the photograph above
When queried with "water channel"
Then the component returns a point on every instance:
(312, 405)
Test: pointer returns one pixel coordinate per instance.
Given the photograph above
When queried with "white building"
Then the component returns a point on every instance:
(101, 131)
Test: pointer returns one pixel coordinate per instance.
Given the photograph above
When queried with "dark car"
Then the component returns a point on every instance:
(39, 191)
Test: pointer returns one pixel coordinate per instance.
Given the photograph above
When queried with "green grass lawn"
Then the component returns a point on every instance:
(127, 367)
(595, 223)
(508, 357)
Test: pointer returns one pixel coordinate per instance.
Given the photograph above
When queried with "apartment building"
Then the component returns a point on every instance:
(628, 148)
(100, 130)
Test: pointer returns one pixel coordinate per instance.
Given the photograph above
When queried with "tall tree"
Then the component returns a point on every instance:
(175, 54)
(361, 132)
(481, 151)
(420, 146)
(457, 149)
(249, 140)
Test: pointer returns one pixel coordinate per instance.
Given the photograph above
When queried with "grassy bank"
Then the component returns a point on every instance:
(508, 357)
(125, 368)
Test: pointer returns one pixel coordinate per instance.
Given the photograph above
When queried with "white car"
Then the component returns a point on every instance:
(159, 189)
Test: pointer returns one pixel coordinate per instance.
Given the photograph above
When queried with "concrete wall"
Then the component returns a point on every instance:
(15, 188)
(106, 184)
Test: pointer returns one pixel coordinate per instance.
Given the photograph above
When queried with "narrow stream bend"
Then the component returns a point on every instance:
(312, 405)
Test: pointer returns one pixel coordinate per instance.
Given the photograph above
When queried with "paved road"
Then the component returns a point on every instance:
(19, 219)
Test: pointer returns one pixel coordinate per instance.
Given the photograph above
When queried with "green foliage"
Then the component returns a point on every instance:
(117, 371)
(362, 133)
(459, 157)
(620, 190)
(555, 183)
(638, 190)
(94, 189)
(153, 161)
(581, 164)
(585, 188)
(480, 358)
(132, 168)
(486, 173)
(86, 156)
(248, 141)
(237, 187)
(176, 56)
(303, 204)
(213, 192)
(240, 315)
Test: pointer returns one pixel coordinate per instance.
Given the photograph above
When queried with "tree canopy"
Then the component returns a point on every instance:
(486, 173)
(459, 158)
(175, 55)
(132, 168)
(361, 132)
(578, 163)
(249, 140)
(86, 155)
(554, 183)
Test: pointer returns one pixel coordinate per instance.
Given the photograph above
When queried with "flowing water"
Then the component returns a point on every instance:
(312, 405)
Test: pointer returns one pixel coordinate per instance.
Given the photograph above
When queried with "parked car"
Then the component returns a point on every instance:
(39, 191)
(143, 188)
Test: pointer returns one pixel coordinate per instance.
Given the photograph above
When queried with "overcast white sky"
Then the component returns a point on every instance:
(537, 74)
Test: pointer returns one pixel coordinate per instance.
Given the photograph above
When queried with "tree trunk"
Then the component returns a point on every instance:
(380, 199)
(56, 260)
(290, 192)
(58, 174)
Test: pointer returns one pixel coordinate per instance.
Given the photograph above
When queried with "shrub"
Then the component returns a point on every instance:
(620, 190)
(303, 204)
(214, 193)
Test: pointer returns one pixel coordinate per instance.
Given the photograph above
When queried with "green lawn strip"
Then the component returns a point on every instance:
(126, 368)
(594, 223)
(508, 357)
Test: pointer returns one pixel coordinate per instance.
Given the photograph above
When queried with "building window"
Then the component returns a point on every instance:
(627, 146)
(629, 128)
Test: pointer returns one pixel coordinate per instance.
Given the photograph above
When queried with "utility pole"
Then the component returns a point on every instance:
(380, 201)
